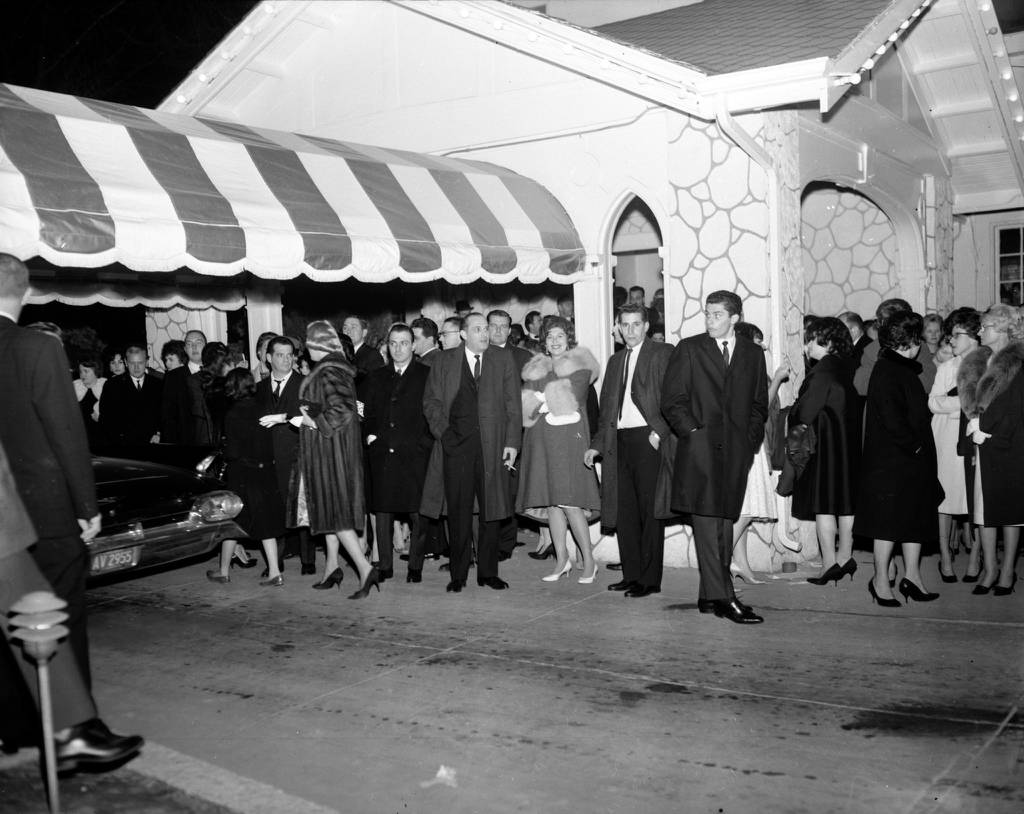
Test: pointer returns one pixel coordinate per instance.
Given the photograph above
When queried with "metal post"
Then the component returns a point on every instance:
(38, 626)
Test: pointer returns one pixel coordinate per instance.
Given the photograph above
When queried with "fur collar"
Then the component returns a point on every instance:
(980, 381)
(579, 358)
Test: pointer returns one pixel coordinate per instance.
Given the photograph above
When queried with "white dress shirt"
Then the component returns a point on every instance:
(631, 415)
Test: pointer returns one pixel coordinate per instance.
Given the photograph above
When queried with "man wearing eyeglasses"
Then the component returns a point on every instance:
(451, 333)
(715, 399)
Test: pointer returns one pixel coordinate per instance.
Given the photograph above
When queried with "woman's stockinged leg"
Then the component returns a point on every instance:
(581, 532)
(354, 548)
(557, 525)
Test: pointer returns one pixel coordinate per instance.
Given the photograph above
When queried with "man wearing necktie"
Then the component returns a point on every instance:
(130, 403)
(473, 408)
(278, 396)
(716, 401)
(398, 444)
(631, 437)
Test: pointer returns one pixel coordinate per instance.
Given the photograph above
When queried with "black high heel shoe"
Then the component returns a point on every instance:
(971, 577)
(911, 591)
(236, 559)
(999, 590)
(834, 573)
(885, 603)
(543, 555)
(948, 579)
(332, 579)
(372, 581)
(849, 567)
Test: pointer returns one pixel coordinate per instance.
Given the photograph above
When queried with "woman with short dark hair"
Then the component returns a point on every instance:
(249, 454)
(899, 489)
(825, 491)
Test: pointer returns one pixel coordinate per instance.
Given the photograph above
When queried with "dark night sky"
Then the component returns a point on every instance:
(129, 51)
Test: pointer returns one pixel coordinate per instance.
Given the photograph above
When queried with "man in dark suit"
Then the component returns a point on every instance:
(367, 358)
(278, 396)
(631, 437)
(424, 340)
(398, 444)
(177, 425)
(473, 407)
(716, 401)
(131, 403)
(499, 327)
(42, 433)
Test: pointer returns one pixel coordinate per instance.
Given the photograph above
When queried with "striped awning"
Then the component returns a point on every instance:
(88, 183)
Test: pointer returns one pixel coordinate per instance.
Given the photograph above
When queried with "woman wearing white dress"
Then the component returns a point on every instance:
(961, 327)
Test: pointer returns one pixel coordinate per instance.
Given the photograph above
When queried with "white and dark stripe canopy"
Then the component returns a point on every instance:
(88, 183)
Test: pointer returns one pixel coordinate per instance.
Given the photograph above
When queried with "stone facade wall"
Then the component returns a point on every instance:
(850, 254)
(165, 324)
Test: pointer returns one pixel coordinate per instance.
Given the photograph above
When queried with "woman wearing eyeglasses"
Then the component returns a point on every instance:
(961, 328)
(991, 387)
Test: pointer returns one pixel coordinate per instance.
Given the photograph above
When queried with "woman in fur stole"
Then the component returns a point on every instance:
(554, 485)
(991, 386)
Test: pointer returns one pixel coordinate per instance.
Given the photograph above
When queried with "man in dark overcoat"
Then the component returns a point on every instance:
(633, 439)
(398, 443)
(177, 425)
(131, 403)
(474, 410)
(716, 401)
(42, 432)
(278, 397)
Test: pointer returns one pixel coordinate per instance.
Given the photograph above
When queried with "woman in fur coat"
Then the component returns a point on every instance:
(554, 484)
(991, 386)
(327, 491)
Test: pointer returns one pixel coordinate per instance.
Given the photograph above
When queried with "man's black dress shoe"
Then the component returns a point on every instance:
(492, 582)
(445, 566)
(622, 585)
(308, 569)
(93, 744)
(414, 575)
(504, 555)
(613, 566)
(403, 557)
(455, 586)
(705, 606)
(736, 612)
(386, 573)
(643, 590)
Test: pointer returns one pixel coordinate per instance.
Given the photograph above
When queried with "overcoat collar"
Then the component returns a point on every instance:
(891, 355)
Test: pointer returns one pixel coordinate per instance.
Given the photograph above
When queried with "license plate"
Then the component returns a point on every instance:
(116, 560)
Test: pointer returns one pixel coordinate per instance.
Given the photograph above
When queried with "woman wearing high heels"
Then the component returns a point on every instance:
(326, 490)
(554, 483)
(826, 490)
(991, 386)
(249, 453)
(961, 328)
(899, 489)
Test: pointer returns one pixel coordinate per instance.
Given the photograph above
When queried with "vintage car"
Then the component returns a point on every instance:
(155, 513)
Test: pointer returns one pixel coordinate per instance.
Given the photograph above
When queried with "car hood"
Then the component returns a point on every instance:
(131, 492)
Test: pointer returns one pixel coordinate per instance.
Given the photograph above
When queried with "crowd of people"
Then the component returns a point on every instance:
(443, 439)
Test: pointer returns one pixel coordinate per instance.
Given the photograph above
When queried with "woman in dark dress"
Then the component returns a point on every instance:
(991, 387)
(899, 487)
(249, 453)
(327, 490)
(826, 489)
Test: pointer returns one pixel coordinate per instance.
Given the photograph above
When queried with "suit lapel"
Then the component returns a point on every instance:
(713, 358)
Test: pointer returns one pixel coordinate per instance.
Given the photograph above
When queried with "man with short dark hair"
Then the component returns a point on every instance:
(130, 405)
(715, 399)
(566, 307)
(367, 358)
(398, 445)
(424, 340)
(532, 325)
(855, 325)
(44, 439)
(637, 295)
(473, 406)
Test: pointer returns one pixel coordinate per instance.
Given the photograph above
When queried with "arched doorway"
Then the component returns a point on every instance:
(636, 242)
(851, 253)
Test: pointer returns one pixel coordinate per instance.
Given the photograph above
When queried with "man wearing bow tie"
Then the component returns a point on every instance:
(715, 399)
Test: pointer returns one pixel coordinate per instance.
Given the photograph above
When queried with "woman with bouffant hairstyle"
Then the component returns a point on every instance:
(899, 489)
(554, 483)
(991, 386)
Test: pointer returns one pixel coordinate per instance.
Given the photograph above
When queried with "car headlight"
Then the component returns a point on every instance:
(217, 506)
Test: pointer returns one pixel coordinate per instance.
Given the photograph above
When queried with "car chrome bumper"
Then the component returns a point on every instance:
(158, 545)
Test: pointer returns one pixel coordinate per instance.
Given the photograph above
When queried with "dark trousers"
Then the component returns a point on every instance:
(72, 701)
(64, 563)
(464, 481)
(641, 537)
(712, 537)
(427, 538)
(386, 543)
(299, 539)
